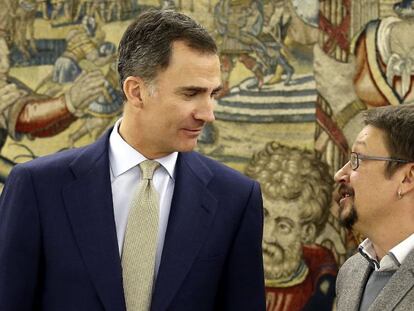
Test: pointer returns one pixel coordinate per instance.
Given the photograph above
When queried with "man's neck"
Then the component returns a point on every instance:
(135, 141)
(388, 240)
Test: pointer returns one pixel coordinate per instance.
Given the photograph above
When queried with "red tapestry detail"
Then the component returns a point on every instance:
(338, 35)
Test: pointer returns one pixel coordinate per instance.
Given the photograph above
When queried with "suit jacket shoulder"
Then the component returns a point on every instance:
(54, 163)
(221, 174)
(398, 293)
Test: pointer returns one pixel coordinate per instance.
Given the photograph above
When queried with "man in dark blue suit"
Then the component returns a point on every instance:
(64, 218)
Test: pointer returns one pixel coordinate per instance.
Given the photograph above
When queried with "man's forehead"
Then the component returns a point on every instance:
(370, 137)
(359, 144)
(280, 205)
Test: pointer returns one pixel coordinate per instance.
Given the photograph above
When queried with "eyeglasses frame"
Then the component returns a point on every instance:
(374, 158)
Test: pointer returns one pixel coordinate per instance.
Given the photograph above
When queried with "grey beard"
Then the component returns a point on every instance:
(280, 263)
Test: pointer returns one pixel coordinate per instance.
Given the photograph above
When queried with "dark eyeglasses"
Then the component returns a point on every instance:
(355, 157)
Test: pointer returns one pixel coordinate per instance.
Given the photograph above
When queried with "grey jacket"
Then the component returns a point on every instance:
(398, 293)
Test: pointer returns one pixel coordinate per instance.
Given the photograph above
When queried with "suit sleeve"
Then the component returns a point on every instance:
(243, 281)
(19, 242)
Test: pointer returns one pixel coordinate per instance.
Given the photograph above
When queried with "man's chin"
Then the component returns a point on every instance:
(186, 143)
(348, 218)
(280, 271)
(188, 147)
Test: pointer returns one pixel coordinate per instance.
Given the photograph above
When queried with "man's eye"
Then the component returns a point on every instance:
(190, 94)
(215, 94)
(284, 228)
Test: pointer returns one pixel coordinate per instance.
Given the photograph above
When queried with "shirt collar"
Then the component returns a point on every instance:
(123, 157)
(393, 259)
(402, 249)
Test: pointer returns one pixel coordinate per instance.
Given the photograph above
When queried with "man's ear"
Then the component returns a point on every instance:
(133, 88)
(308, 233)
(407, 184)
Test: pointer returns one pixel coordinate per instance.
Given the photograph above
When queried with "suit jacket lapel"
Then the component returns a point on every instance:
(397, 287)
(192, 211)
(88, 202)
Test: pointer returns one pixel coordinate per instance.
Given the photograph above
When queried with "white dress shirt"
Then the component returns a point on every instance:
(393, 259)
(125, 177)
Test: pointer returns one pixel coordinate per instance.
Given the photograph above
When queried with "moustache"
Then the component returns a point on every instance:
(272, 249)
(344, 191)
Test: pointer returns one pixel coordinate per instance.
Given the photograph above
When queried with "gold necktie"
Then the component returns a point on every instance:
(140, 244)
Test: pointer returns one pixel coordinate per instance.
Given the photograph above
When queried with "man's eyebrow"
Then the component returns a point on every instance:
(198, 89)
(191, 87)
(357, 144)
(218, 89)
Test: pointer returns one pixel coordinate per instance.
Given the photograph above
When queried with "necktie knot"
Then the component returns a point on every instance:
(148, 168)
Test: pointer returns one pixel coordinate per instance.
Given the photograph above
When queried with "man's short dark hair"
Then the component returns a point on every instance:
(397, 123)
(146, 45)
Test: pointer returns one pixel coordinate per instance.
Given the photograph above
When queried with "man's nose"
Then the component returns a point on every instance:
(342, 175)
(269, 232)
(205, 111)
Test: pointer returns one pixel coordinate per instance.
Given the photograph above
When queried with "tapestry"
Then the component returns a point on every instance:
(296, 75)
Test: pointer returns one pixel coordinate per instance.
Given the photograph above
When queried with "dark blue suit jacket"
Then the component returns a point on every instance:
(58, 245)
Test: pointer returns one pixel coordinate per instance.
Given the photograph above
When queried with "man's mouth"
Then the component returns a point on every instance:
(193, 131)
(345, 192)
(270, 249)
(196, 130)
(267, 251)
